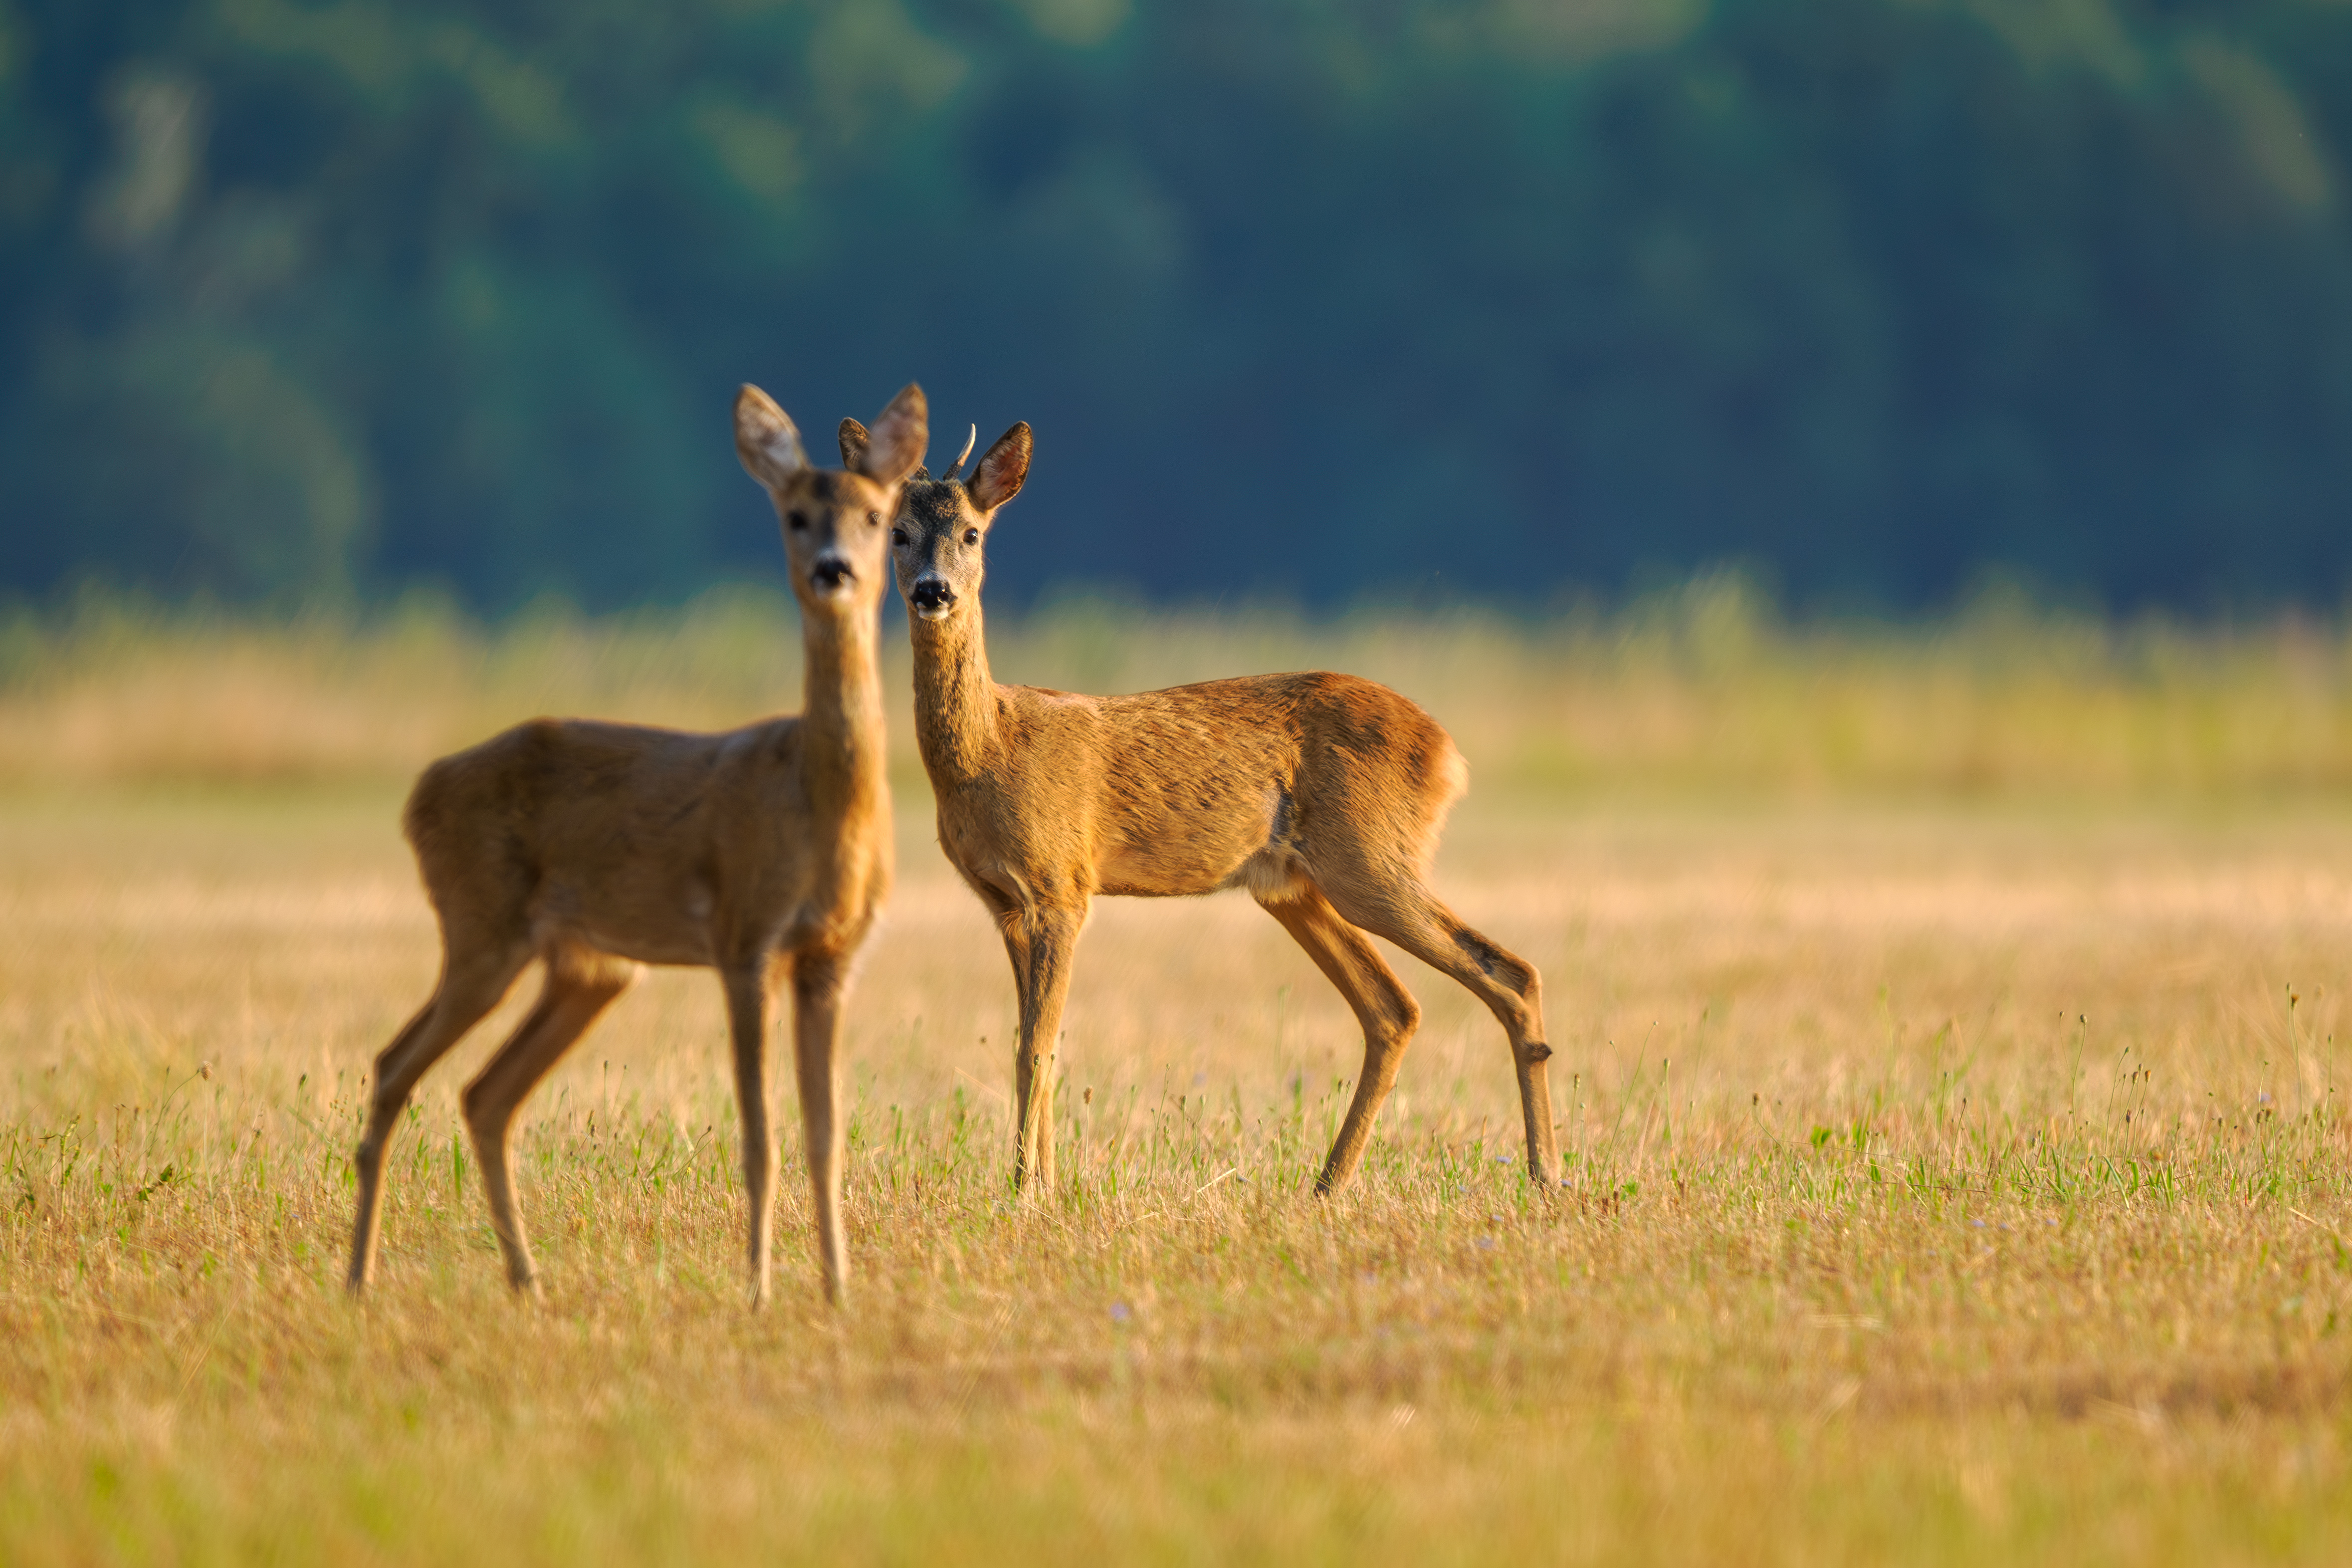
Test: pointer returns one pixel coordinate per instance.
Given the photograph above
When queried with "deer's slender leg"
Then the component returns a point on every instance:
(1010, 925)
(748, 991)
(1418, 922)
(580, 985)
(1052, 938)
(818, 981)
(1381, 1005)
(1015, 925)
(468, 989)
(1018, 930)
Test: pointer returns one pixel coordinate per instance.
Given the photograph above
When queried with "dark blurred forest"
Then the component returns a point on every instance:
(1322, 300)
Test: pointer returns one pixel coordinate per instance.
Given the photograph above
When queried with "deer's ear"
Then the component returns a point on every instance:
(765, 438)
(897, 442)
(1002, 469)
(854, 442)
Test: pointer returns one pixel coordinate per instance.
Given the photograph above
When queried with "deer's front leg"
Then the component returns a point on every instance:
(818, 981)
(1052, 943)
(747, 1018)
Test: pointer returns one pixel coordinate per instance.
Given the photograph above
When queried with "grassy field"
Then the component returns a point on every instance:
(1957, 1162)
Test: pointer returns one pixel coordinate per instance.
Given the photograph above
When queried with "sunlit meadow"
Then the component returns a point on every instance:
(1948, 1074)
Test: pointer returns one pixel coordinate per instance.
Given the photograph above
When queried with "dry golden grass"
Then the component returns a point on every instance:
(1698, 690)
(1949, 1180)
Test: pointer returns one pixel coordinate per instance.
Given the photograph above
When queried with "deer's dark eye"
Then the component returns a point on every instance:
(795, 521)
(972, 536)
(898, 539)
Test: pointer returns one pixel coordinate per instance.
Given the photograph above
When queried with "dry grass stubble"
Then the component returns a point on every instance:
(1941, 1180)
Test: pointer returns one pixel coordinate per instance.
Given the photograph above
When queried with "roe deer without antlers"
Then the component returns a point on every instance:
(1323, 795)
(597, 848)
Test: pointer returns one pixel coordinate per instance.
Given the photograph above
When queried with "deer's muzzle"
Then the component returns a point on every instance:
(831, 575)
(931, 596)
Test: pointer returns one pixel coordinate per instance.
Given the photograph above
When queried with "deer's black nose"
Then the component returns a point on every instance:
(932, 592)
(830, 573)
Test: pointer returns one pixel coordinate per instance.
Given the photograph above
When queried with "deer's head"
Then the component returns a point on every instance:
(939, 534)
(835, 542)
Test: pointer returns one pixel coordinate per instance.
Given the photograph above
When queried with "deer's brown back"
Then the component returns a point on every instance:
(1199, 787)
(660, 846)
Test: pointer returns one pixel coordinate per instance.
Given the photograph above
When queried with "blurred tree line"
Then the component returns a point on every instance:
(1315, 298)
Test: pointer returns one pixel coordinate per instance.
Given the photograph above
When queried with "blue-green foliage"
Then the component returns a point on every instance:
(1325, 297)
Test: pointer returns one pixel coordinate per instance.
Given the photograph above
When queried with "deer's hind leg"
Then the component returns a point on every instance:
(1381, 1005)
(473, 981)
(1417, 921)
(580, 983)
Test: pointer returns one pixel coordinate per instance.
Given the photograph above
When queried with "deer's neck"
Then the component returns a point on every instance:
(955, 698)
(841, 717)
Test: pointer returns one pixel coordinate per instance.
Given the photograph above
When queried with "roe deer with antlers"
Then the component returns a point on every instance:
(1323, 795)
(764, 852)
